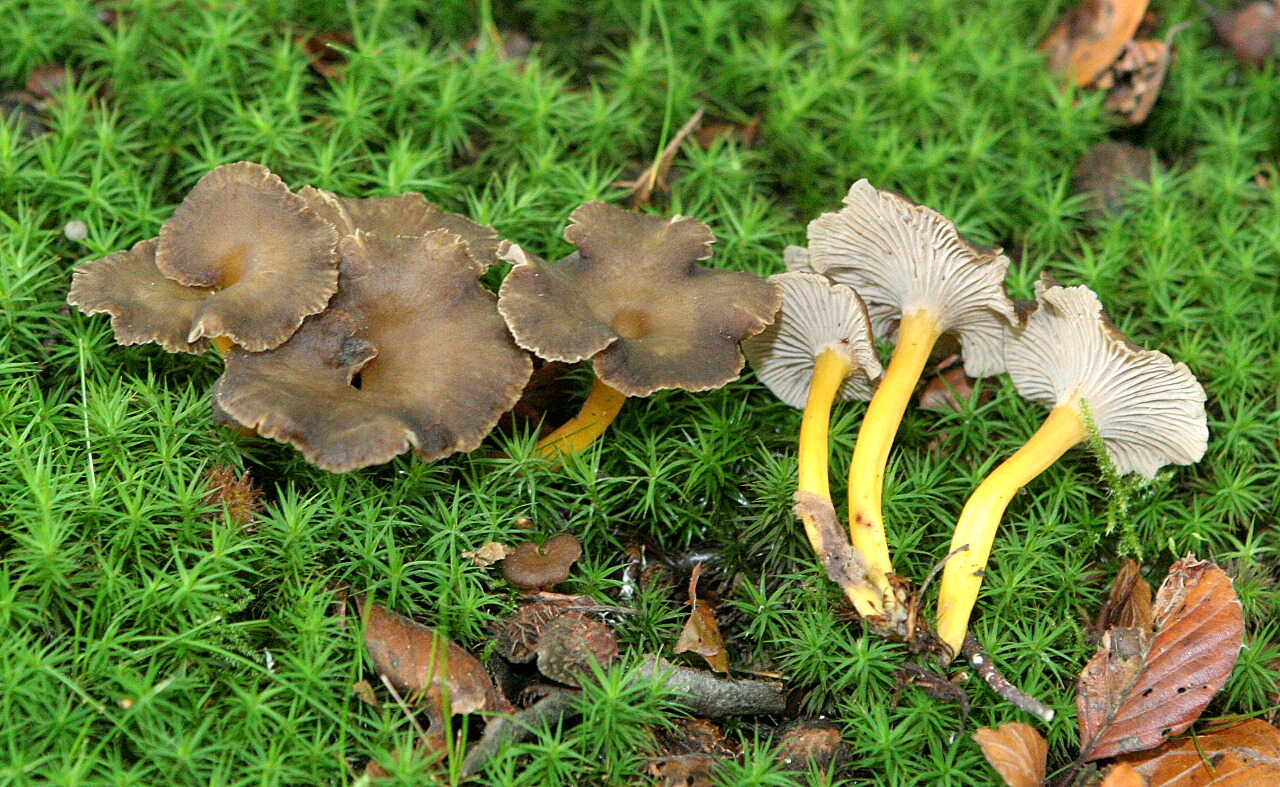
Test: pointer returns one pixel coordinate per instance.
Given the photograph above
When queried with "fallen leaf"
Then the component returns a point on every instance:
(701, 633)
(1133, 81)
(570, 643)
(1239, 755)
(1143, 686)
(1251, 31)
(810, 744)
(1106, 174)
(1123, 775)
(654, 177)
(1091, 36)
(1017, 751)
(948, 388)
(363, 690)
(425, 666)
(324, 51)
(1129, 604)
(713, 130)
(488, 554)
(46, 80)
(682, 770)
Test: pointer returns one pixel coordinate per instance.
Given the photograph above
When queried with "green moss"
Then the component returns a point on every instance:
(151, 641)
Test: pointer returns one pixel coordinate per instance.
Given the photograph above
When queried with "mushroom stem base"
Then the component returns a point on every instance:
(961, 579)
(602, 406)
(917, 333)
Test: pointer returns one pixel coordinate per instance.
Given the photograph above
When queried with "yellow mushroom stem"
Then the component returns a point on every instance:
(602, 406)
(917, 333)
(222, 344)
(829, 372)
(1065, 427)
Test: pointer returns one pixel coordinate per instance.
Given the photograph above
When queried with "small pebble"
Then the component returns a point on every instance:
(76, 230)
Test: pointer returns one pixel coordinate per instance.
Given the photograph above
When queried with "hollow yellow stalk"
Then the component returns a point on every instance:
(222, 344)
(1065, 427)
(917, 333)
(829, 372)
(602, 406)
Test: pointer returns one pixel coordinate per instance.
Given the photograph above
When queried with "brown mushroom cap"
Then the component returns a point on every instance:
(402, 214)
(272, 259)
(436, 365)
(816, 315)
(534, 566)
(633, 299)
(1148, 410)
(902, 257)
(143, 304)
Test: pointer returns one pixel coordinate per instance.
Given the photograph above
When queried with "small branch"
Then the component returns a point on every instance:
(501, 730)
(982, 664)
(713, 697)
(654, 178)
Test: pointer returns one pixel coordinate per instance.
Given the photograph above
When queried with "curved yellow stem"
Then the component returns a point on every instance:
(917, 334)
(222, 344)
(829, 372)
(598, 411)
(1065, 427)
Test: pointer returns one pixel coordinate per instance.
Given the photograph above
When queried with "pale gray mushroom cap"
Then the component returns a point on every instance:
(816, 315)
(1148, 410)
(902, 257)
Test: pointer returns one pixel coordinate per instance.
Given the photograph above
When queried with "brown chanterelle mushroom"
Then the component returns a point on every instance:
(921, 278)
(411, 354)
(818, 349)
(269, 257)
(633, 299)
(402, 214)
(1147, 410)
(143, 304)
(532, 566)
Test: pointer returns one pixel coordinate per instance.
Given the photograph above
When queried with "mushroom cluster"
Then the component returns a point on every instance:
(357, 329)
(924, 284)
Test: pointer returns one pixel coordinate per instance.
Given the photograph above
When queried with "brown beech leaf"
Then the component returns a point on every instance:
(946, 390)
(682, 770)
(1133, 81)
(1143, 686)
(1251, 31)
(1108, 172)
(701, 633)
(421, 663)
(1237, 755)
(1123, 775)
(1091, 36)
(1017, 751)
(1130, 602)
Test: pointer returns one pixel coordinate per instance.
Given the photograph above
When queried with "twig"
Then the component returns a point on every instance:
(501, 730)
(981, 664)
(914, 610)
(713, 697)
(655, 175)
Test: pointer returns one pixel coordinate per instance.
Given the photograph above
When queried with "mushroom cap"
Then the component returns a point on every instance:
(902, 257)
(1148, 410)
(143, 304)
(633, 299)
(816, 315)
(436, 365)
(534, 566)
(403, 214)
(272, 259)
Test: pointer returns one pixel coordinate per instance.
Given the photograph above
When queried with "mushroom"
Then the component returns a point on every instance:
(269, 259)
(818, 349)
(402, 214)
(411, 354)
(535, 567)
(143, 304)
(1147, 411)
(632, 299)
(920, 276)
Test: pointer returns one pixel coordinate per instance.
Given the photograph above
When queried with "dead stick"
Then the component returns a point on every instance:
(981, 663)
